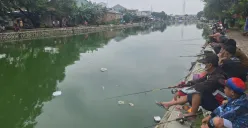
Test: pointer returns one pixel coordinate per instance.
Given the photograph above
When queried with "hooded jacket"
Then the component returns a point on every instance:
(235, 111)
(209, 83)
(233, 68)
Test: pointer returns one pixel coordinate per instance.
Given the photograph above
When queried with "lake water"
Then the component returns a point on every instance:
(137, 59)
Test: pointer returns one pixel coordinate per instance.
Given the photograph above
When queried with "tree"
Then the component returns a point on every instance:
(216, 8)
(162, 15)
(200, 14)
(29, 8)
(91, 12)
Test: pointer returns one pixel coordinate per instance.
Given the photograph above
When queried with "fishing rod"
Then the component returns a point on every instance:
(140, 92)
(181, 120)
(193, 56)
(152, 90)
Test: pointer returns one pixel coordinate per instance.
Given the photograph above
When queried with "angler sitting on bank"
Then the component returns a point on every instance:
(216, 41)
(230, 64)
(199, 92)
(239, 54)
(233, 114)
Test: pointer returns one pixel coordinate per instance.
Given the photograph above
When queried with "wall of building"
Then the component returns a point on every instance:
(111, 16)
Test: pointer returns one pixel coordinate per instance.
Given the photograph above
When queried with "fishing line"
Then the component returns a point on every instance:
(152, 90)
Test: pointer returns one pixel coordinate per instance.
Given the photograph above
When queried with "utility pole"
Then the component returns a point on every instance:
(184, 4)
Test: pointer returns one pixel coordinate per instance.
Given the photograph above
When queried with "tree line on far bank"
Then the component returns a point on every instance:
(226, 9)
(36, 11)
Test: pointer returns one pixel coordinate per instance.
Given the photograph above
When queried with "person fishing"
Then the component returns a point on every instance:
(233, 114)
(239, 54)
(200, 92)
(230, 64)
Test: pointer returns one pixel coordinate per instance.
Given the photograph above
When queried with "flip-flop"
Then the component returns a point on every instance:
(161, 105)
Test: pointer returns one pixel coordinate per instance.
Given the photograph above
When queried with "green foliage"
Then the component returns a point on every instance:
(162, 15)
(218, 9)
(88, 11)
(128, 17)
(200, 14)
(91, 12)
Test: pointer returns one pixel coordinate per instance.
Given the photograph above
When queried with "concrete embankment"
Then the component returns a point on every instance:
(172, 113)
(36, 34)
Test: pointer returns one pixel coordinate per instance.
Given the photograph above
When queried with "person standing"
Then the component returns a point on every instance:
(53, 23)
(21, 24)
(246, 26)
(225, 23)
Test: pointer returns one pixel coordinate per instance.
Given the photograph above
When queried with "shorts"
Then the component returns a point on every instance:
(208, 101)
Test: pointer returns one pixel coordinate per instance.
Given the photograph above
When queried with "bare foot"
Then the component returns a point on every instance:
(166, 105)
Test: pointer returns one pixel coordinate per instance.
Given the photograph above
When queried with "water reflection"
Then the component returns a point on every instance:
(31, 70)
(206, 31)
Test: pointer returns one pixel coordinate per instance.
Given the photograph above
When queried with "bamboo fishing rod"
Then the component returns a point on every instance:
(181, 120)
(152, 90)
(193, 56)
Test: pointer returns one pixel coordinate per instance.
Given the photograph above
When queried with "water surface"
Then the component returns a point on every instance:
(137, 59)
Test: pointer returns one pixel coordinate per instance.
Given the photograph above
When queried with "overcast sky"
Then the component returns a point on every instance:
(169, 6)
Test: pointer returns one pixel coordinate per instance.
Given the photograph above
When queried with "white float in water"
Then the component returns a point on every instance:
(103, 87)
(131, 104)
(157, 118)
(121, 102)
(57, 93)
(104, 69)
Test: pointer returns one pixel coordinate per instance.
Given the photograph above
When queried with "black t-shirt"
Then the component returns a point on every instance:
(233, 68)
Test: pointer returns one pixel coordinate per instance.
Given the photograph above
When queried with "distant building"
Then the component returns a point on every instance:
(111, 15)
(133, 11)
(102, 4)
(119, 8)
(144, 13)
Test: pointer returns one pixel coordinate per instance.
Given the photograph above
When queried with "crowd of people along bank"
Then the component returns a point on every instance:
(221, 90)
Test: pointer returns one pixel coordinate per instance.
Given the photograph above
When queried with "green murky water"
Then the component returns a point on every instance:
(137, 59)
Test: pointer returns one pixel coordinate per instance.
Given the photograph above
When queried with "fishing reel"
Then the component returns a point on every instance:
(182, 120)
(174, 91)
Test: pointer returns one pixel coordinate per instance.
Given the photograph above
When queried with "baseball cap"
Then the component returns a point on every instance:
(234, 83)
(211, 58)
(230, 42)
(230, 49)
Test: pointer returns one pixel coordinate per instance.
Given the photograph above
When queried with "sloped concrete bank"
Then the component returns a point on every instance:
(36, 34)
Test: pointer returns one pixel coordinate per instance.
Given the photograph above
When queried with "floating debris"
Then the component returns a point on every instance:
(117, 85)
(121, 102)
(103, 87)
(131, 104)
(104, 69)
(157, 118)
(2, 56)
(57, 93)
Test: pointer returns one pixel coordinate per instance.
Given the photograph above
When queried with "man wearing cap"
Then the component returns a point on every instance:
(230, 64)
(239, 54)
(199, 92)
(233, 114)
